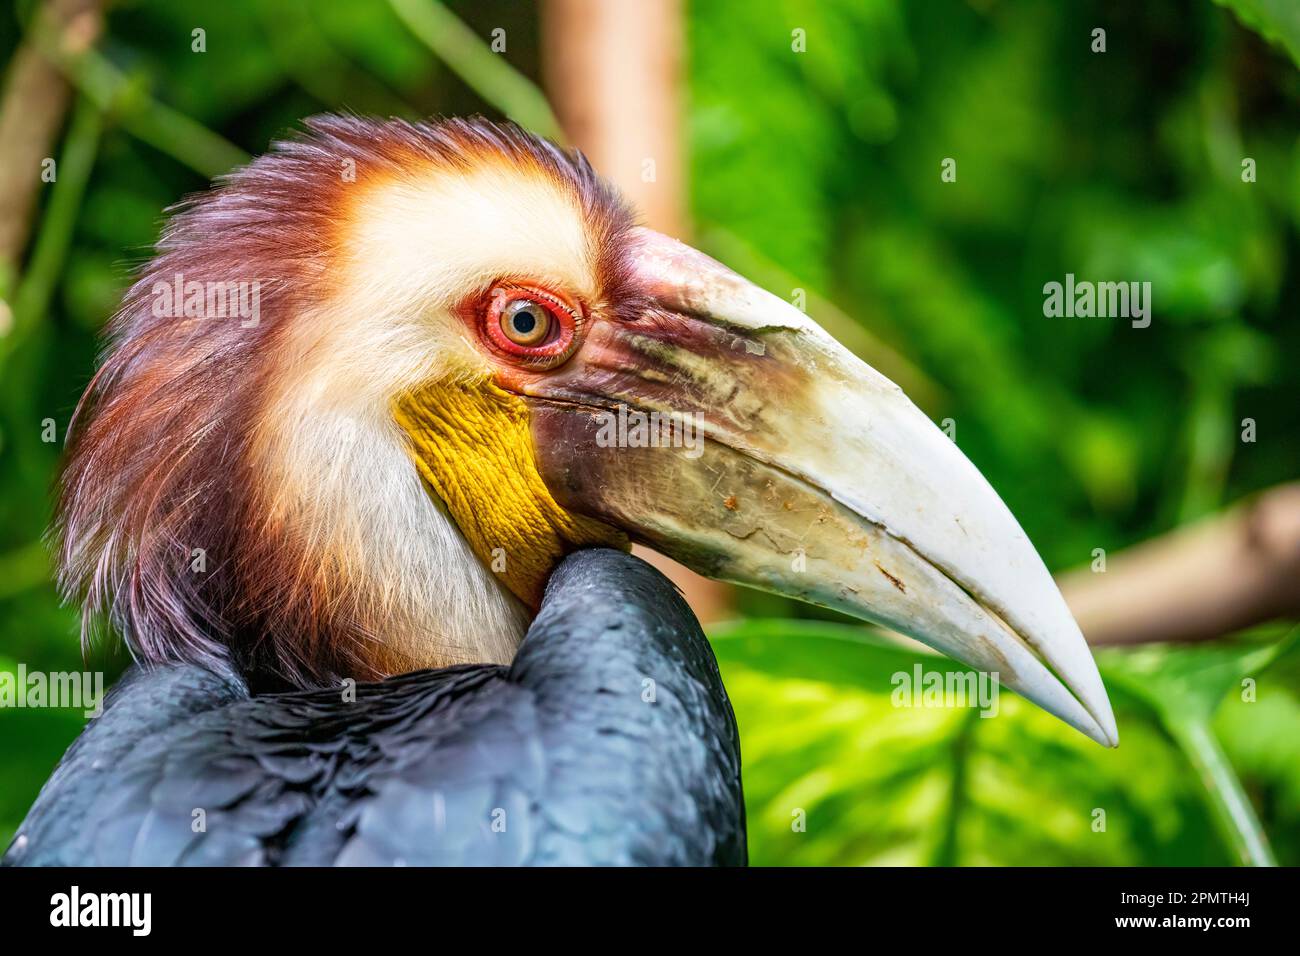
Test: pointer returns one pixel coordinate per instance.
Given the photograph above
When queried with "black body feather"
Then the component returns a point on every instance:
(609, 740)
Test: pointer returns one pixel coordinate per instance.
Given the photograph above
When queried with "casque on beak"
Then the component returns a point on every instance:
(781, 461)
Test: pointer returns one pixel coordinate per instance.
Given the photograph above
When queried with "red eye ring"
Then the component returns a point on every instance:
(525, 307)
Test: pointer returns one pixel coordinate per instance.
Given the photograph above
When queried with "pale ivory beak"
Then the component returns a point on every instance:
(810, 475)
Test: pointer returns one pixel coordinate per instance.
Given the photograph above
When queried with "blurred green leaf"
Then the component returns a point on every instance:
(879, 784)
(1184, 687)
(1276, 20)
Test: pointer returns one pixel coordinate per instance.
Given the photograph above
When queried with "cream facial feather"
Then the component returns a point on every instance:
(410, 248)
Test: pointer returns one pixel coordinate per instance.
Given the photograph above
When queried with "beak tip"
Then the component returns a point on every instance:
(1107, 737)
(1102, 727)
(1096, 702)
(1110, 729)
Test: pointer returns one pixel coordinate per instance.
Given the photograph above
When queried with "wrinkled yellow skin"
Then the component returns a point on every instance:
(473, 447)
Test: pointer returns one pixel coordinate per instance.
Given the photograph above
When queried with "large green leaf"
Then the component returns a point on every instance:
(874, 783)
(1185, 688)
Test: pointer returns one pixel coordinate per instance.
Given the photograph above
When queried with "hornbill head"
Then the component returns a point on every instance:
(376, 384)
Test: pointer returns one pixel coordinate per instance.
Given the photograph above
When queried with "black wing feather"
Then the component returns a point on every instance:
(609, 740)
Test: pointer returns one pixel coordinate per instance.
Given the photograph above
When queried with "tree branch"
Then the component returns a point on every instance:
(32, 107)
(1199, 582)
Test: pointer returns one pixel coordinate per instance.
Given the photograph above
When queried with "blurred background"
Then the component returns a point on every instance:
(804, 144)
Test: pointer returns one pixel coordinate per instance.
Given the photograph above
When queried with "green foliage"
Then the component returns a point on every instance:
(837, 774)
(1122, 165)
(1276, 20)
(820, 169)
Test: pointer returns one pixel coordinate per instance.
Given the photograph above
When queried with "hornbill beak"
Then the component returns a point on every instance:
(725, 429)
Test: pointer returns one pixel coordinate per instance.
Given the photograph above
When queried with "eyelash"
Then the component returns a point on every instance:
(559, 344)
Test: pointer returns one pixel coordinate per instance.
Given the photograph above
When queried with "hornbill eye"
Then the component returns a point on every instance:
(531, 327)
(525, 322)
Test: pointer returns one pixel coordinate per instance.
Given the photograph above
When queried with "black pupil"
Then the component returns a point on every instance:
(524, 322)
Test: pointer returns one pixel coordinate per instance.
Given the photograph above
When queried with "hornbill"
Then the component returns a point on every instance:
(365, 540)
